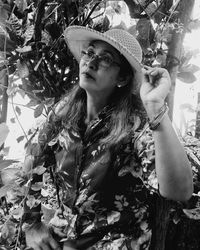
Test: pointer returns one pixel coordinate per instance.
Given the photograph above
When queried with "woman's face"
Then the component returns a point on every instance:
(99, 74)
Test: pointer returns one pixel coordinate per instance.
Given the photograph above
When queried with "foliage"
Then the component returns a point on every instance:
(33, 50)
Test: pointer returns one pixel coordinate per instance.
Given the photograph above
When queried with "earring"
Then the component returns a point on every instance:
(122, 84)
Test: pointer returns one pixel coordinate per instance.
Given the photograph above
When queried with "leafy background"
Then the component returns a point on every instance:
(36, 63)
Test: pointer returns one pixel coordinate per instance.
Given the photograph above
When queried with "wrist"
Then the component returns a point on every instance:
(155, 122)
(153, 108)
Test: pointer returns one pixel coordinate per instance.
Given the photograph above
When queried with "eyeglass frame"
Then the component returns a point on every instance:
(98, 58)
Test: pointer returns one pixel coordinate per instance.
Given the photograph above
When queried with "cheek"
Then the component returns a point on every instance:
(107, 82)
(81, 63)
(112, 79)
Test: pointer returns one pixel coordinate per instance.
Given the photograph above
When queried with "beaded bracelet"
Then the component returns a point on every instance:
(153, 125)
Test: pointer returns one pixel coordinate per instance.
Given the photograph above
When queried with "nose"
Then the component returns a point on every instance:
(93, 63)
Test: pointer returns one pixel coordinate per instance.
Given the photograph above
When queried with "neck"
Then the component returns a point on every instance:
(94, 106)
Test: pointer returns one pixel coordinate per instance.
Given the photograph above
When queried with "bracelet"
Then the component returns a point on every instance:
(153, 125)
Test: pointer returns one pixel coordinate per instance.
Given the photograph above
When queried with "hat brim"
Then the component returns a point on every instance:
(78, 37)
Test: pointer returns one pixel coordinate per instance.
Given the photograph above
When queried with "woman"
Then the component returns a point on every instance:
(102, 151)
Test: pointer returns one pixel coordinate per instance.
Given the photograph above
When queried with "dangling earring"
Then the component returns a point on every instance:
(120, 85)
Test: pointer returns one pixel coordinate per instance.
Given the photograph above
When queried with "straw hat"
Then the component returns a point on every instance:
(78, 37)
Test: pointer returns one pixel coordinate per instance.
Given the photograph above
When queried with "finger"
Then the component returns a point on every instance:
(160, 72)
(146, 74)
(148, 70)
(147, 67)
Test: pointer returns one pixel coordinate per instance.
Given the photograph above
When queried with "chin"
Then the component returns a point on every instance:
(86, 85)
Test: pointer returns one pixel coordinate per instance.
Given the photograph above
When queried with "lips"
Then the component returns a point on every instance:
(88, 75)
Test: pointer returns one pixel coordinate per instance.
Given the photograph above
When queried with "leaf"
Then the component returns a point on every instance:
(194, 24)
(5, 151)
(113, 217)
(193, 213)
(31, 103)
(16, 26)
(150, 9)
(143, 27)
(187, 57)
(38, 111)
(186, 77)
(48, 213)
(12, 90)
(12, 120)
(24, 49)
(45, 193)
(134, 8)
(17, 213)
(18, 110)
(6, 43)
(20, 138)
(3, 61)
(4, 130)
(5, 189)
(49, 102)
(30, 132)
(188, 107)
(22, 93)
(9, 230)
(46, 38)
(8, 175)
(38, 64)
(28, 163)
(22, 68)
(31, 201)
(189, 68)
(4, 13)
(21, 4)
(28, 33)
(6, 163)
(161, 58)
(37, 186)
(2, 73)
(39, 170)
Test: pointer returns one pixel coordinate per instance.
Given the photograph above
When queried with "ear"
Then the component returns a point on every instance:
(123, 81)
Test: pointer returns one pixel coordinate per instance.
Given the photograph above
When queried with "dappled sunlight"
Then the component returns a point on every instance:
(17, 136)
(186, 95)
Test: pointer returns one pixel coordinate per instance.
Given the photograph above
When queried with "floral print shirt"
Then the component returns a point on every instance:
(106, 194)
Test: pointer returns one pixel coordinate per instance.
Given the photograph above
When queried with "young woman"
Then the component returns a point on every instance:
(106, 137)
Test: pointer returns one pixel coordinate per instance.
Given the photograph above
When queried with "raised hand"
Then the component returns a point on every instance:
(154, 88)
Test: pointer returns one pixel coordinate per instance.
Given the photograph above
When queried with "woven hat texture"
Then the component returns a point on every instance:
(78, 37)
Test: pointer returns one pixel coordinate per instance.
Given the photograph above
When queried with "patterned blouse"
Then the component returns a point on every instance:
(106, 194)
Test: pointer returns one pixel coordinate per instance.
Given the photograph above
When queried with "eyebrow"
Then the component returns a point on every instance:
(106, 51)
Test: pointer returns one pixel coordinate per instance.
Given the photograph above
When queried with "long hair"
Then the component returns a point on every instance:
(126, 114)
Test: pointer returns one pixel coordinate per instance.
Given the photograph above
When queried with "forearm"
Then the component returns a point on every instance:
(172, 166)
